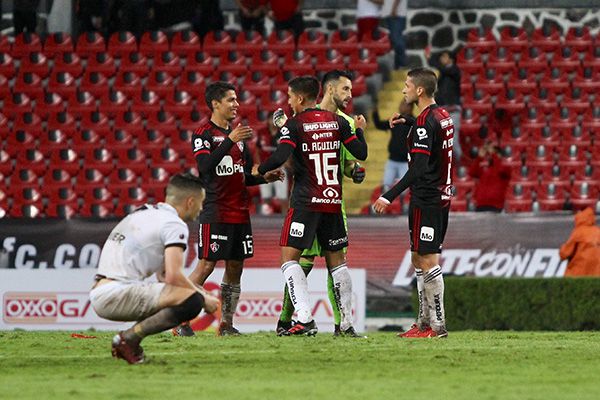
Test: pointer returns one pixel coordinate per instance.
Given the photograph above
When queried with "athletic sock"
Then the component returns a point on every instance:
(287, 307)
(433, 282)
(298, 289)
(335, 308)
(423, 316)
(342, 288)
(230, 295)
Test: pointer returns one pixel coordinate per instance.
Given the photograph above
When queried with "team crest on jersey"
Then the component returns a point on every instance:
(214, 247)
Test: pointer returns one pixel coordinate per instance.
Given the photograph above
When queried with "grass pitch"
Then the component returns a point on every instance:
(467, 365)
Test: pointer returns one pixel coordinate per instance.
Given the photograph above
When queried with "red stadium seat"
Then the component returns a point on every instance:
(281, 42)
(578, 38)
(52, 141)
(563, 121)
(25, 43)
(34, 160)
(130, 121)
(481, 102)
(97, 121)
(577, 101)
(233, 62)
(97, 193)
(313, 42)
(544, 101)
(378, 42)
(4, 127)
(154, 181)
(135, 62)
(28, 122)
(103, 63)
(249, 43)
(555, 174)
(587, 81)
(63, 121)
(572, 156)
(83, 103)
(7, 66)
(86, 140)
(591, 58)
(4, 44)
(225, 76)
(179, 104)
(19, 210)
(63, 84)
(566, 60)
(99, 159)
(181, 141)
(132, 197)
(344, 40)
(584, 194)
(95, 210)
(185, 43)
(512, 101)
(162, 83)
(24, 178)
(546, 38)
(29, 84)
(266, 62)
(112, 103)
(469, 60)
(278, 99)
(331, 59)
(299, 62)
(119, 139)
(359, 87)
(551, 195)
(514, 38)
(167, 62)
(35, 63)
(58, 43)
(501, 60)
(193, 120)
(65, 159)
(151, 141)
(191, 82)
(154, 43)
(201, 62)
(490, 82)
(95, 83)
(168, 159)
(90, 43)
(362, 61)
(51, 104)
(258, 83)
(121, 44)
(218, 43)
(68, 62)
(62, 211)
(533, 60)
(481, 38)
(121, 179)
(129, 83)
(148, 103)
(164, 122)
(247, 101)
(132, 159)
(16, 105)
(545, 136)
(56, 178)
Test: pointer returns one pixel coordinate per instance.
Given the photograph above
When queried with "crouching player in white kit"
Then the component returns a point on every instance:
(151, 240)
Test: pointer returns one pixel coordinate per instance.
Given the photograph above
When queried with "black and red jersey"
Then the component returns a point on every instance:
(316, 137)
(224, 168)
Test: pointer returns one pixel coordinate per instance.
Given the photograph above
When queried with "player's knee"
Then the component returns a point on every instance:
(190, 307)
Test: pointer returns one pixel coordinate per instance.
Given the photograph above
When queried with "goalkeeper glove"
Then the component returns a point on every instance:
(279, 118)
(358, 173)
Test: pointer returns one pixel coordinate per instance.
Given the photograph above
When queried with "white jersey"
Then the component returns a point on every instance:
(135, 248)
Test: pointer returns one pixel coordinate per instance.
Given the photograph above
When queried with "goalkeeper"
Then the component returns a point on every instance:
(337, 93)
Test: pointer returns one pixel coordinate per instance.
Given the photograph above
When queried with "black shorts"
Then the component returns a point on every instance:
(218, 241)
(427, 227)
(301, 226)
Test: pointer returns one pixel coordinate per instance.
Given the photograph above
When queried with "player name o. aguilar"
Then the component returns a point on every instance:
(320, 126)
(320, 146)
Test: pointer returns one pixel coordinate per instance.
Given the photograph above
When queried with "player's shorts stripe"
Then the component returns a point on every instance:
(288, 142)
(421, 151)
(201, 152)
(417, 224)
(205, 239)
(285, 231)
(351, 138)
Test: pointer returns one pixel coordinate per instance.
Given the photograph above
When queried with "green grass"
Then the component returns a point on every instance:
(468, 365)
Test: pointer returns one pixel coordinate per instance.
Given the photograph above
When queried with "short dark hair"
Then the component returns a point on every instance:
(425, 78)
(307, 86)
(334, 75)
(184, 182)
(216, 91)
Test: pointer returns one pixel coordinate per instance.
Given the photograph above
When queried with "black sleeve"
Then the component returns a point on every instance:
(285, 147)
(207, 157)
(415, 172)
(250, 179)
(379, 124)
(354, 141)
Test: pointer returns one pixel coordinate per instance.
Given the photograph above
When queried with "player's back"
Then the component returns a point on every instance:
(134, 249)
(433, 134)
(317, 173)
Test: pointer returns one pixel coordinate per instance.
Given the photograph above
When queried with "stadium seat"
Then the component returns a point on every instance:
(119, 139)
(533, 119)
(249, 43)
(154, 181)
(587, 81)
(191, 82)
(96, 83)
(522, 82)
(129, 83)
(7, 66)
(481, 103)
(577, 101)
(62, 211)
(266, 62)
(259, 84)
(563, 120)
(168, 62)
(151, 141)
(135, 62)
(579, 38)
(168, 159)
(34, 160)
(566, 60)
(545, 136)
(469, 60)
(25, 43)
(542, 100)
(132, 197)
(179, 104)
(29, 84)
(113, 102)
(51, 104)
(82, 103)
(146, 104)
(98, 194)
(571, 156)
(225, 76)
(56, 178)
(501, 60)
(313, 42)
(344, 40)
(35, 63)
(299, 62)
(24, 178)
(193, 120)
(164, 122)
(4, 127)
(331, 59)
(90, 43)
(97, 121)
(130, 121)
(378, 42)
(63, 84)
(362, 61)
(181, 141)
(278, 99)
(555, 174)
(201, 62)
(66, 159)
(121, 179)
(63, 121)
(98, 159)
(6, 163)
(533, 60)
(58, 43)
(591, 120)
(133, 159)
(218, 43)
(103, 63)
(53, 140)
(27, 210)
(546, 38)
(4, 44)
(28, 122)
(185, 43)
(511, 101)
(233, 62)
(482, 39)
(281, 42)
(153, 43)
(86, 140)
(121, 44)
(95, 210)
(16, 105)
(162, 83)
(490, 82)
(591, 58)
(69, 62)
(552, 195)
(514, 38)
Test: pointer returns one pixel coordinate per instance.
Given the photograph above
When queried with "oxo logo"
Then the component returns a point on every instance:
(43, 308)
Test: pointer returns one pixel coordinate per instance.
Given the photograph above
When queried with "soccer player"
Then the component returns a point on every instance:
(429, 178)
(337, 93)
(315, 138)
(225, 167)
(151, 240)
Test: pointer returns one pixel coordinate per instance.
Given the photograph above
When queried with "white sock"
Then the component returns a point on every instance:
(433, 282)
(297, 289)
(342, 289)
(423, 316)
(230, 295)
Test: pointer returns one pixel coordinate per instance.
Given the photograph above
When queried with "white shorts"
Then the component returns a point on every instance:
(126, 301)
(277, 189)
